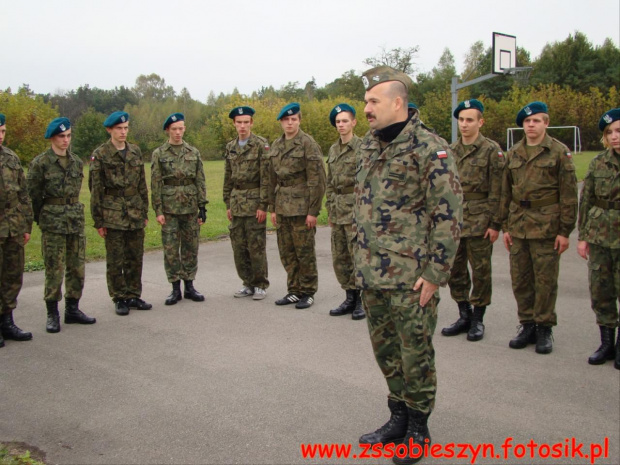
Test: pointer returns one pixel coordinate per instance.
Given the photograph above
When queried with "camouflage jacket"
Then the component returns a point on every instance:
(341, 176)
(49, 182)
(408, 210)
(480, 172)
(296, 176)
(549, 174)
(15, 206)
(177, 181)
(119, 196)
(599, 225)
(246, 176)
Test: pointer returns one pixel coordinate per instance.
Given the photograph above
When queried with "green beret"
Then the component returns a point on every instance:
(115, 118)
(468, 105)
(380, 74)
(608, 118)
(239, 111)
(529, 110)
(289, 110)
(57, 126)
(340, 108)
(173, 118)
(412, 106)
(2, 119)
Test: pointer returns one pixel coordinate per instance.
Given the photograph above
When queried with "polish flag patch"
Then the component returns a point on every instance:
(568, 154)
(442, 154)
(500, 154)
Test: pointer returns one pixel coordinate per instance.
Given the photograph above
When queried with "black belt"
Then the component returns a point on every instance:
(607, 204)
(475, 195)
(291, 182)
(345, 190)
(248, 185)
(179, 182)
(60, 200)
(121, 192)
(538, 203)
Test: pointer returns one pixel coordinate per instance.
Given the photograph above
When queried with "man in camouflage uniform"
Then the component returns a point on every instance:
(119, 205)
(339, 203)
(179, 196)
(408, 213)
(297, 185)
(538, 211)
(15, 228)
(54, 183)
(246, 185)
(480, 162)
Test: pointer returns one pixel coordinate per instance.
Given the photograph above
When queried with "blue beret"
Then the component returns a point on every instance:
(608, 118)
(239, 111)
(57, 126)
(412, 105)
(289, 110)
(173, 118)
(2, 119)
(339, 108)
(115, 118)
(529, 110)
(468, 105)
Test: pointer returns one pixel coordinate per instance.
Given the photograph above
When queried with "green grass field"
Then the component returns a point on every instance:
(217, 223)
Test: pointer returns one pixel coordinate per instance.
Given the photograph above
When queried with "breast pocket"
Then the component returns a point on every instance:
(602, 183)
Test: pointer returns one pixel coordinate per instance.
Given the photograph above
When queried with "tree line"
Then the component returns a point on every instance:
(578, 81)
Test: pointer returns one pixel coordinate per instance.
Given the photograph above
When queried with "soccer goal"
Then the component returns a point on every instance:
(576, 133)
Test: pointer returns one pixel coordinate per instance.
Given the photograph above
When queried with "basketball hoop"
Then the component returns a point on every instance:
(521, 75)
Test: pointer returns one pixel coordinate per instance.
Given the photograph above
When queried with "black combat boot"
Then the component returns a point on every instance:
(476, 331)
(358, 313)
(121, 308)
(417, 438)
(617, 360)
(606, 351)
(525, 336)
(175, 295)
(53, 318)
(11, 331)
(544, 339)
(394, 430)
(347, 306)
(461, 325)
(73, 314)
(192, 293)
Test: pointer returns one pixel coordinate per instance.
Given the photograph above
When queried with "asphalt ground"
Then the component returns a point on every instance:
(241, 381)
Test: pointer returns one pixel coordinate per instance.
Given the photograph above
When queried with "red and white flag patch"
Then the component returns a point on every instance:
(442, 154)
(500, 154)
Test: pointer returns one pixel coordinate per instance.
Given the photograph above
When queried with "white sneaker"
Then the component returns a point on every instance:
(244, 292)
(259, 294)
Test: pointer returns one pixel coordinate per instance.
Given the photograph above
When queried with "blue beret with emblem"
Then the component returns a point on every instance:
(412, 105)
(468, 105)
(57, 126)
(173, 118)
(241, 111)
(608, 118)
(289, 110)
(339, 109)
(118, 117)
(530, 109)
(2, 119)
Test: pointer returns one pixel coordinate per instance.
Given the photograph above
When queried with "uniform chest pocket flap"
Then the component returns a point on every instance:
(397, 171)
(479, 162)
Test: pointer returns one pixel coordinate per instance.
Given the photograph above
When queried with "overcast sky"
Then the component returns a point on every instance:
(219, 45)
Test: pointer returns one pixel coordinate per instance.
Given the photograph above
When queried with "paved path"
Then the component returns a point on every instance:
(237, 381)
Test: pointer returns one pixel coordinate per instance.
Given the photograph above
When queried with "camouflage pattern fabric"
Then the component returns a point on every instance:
(401, 333)
(298, 255)
(15, 220)
(341, 175)
(249, 240)
(244, 167)
(63, 254)
(110, 172)
(180, 238)
(408, 213)
(124, 254)
(343, 249)
(477, 252)
(604, 278)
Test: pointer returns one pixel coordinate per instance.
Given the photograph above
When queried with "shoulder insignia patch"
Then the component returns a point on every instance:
(442, 154)
(500, 154)
(568, 154)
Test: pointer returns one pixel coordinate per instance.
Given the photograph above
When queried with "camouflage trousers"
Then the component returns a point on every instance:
(298, 255)
(63, 254)
(11, 271)
(179, 237)
(401, 333)
(248, 238)
(477, 252)
(124, 254)
(534, 267)
(604, 278)
(343, 242)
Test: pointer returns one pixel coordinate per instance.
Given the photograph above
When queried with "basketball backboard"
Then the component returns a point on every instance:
(504, 53)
